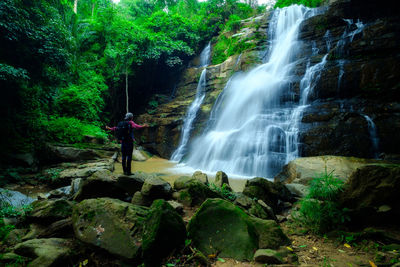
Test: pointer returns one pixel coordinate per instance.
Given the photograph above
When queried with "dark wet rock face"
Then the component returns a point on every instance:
(361, 78)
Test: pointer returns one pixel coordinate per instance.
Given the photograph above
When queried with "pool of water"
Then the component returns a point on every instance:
(170, 171)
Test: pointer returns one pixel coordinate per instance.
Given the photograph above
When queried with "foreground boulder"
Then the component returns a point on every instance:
(111, 224)
(220, 227)
(129, 231)
(46, 252)
(371, 194)
(164, 232)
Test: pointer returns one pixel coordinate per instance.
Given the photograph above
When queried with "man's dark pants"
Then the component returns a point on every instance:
(126, 150)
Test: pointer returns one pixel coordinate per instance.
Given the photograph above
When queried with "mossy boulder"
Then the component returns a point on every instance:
(110, 224)
(220, 227)
(221, 178)
(371, 194)
(183, 182)
(194, 192)
(48, 211)
(130, 183)
(155, 188)
(164, 232)
(202, 177)
(46, 252)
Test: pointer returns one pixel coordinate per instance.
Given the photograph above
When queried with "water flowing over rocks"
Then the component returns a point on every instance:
(358, 79)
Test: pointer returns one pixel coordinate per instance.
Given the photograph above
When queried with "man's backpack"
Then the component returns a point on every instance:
(124, 131)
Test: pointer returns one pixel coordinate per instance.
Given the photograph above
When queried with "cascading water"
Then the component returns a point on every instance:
(194, 107)
(373, 135)
(252, 132)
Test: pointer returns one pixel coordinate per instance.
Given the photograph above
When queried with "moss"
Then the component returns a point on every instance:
(162, 223)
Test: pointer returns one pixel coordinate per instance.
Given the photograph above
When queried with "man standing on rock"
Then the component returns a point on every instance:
(124, 132)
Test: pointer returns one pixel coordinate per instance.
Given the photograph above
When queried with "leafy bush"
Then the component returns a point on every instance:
(319, 211)
(233, 24)
(71, 130)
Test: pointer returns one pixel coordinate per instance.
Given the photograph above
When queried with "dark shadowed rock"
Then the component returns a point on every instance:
(155, 188)
(46, 252)
(164, 232)
(371, 194)
(48, 211)
(271, 193)
(100, 184)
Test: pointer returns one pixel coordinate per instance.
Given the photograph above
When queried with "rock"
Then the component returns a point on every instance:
(183, 182)
(84, 171)
(178, 207)
(268, 256)
(57, 154)
(60, 192)
(130, 183)
(221, 178)
(14, 198)
(138, 155)
(271, 193)
(110, 224)
(254, 208)
(269, 233)
(14, 237)
(195, 192)
(10, 259)
(62, 228)
(164, 232)
(155, 187)
(100, 184)
(46, 252)
(303, 170)
(219, 227)
(76, 184)
(48, 211)
(299, 190)
(140, 200)
(202, 177)
(371, 193)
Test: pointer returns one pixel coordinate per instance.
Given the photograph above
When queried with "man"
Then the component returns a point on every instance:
(125, 136)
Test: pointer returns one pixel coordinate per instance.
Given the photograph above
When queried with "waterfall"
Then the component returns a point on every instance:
(253, 132)
(194, 107)
(373, 135)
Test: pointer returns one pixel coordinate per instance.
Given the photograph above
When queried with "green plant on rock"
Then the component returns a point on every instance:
(319, 210)
(225, 191)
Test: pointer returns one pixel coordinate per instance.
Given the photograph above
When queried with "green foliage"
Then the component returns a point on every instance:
(308, 3)
(319, 211)
(71, 130)
(226, 47)
(4, 229)
(225, 191)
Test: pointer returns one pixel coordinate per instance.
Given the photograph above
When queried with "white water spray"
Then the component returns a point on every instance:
(194, 107)
(253, 133)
